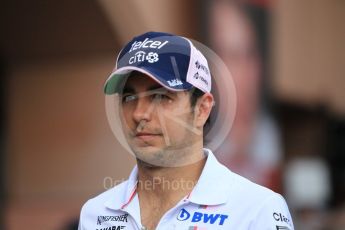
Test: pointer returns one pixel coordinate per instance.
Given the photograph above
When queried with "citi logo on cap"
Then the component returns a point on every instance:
(141, 56)
(147, 43)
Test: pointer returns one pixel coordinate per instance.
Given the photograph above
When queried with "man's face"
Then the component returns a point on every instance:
(158, 124)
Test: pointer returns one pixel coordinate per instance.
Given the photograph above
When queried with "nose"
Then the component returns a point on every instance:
(143, 110)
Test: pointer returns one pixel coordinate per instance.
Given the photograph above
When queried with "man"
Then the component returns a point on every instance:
(163, 86)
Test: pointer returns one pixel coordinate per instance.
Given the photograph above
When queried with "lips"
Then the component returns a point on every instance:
(147, 136)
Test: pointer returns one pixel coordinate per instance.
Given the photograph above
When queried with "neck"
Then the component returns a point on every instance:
(161, 188)
(172, 183)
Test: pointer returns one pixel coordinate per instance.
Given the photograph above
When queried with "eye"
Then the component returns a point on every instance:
(161, 97)
(128, 98)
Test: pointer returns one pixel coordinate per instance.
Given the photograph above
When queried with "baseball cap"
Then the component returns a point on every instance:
(173, 61)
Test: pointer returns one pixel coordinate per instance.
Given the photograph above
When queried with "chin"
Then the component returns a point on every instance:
(147, 165)
(147, 152)
(152, 156)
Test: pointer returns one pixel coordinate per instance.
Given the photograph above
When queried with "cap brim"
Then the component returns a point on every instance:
(114, 82)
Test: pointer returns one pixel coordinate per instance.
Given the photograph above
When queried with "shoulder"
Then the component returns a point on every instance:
(259, 205)
(244, 190)
(220, 181)
(248, 188)
(104, 205)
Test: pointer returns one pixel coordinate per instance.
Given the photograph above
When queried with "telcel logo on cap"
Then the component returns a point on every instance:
(147, 43)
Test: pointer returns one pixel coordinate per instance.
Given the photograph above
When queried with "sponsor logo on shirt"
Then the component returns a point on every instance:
(207, 218)
(102, 219)
(112, 228)
(282, 228)
(281, 218)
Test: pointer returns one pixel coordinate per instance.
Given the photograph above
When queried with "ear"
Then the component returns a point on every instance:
(203, 109)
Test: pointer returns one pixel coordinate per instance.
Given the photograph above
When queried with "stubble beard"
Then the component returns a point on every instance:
(177, 154)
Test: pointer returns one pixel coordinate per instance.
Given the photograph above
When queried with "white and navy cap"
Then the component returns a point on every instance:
(171, 60)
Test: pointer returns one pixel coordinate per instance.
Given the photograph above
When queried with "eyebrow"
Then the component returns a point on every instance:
(128, 89)
(155, 87)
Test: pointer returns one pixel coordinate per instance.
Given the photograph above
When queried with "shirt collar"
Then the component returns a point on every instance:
(123, 194)
(211, 189)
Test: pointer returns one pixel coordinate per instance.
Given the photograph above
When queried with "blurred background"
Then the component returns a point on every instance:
(287, 58)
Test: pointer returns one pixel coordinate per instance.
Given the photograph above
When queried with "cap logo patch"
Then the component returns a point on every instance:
(152, 57)
(147, 43)
(202, 67)
(174, 82)
(197, 76)
(141, 56)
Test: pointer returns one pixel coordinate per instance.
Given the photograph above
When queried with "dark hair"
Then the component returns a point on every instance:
(195, 94)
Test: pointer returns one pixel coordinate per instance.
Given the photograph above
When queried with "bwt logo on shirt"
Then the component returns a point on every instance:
(206, 218)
